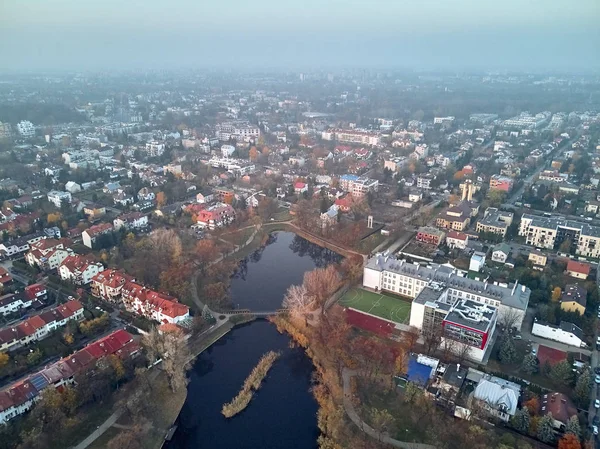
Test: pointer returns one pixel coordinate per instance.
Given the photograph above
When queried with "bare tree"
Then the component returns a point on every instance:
(321, 283)
(131, 438)
(410, 338)
(509, 318)
(297, 300)
(172, 348)
(463, 352)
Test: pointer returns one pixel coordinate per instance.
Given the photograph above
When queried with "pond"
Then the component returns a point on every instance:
(282, 414)
(261, 280)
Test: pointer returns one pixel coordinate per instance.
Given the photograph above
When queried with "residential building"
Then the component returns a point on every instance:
(574, 299)
(145, 194)
(131, 221)
(457, 217)
(432, 236)
(477, 261)
(424, 181)
(20, 396)
(500, 253)
(154, 148)
(504, 183)
(14, 302)
(107, 284)
(205, 196)
(358, 186)
(551, 232)
(408, 279)
(26, 129)
(300, 187)
(90, 235)
(566, 333)
(48, 253)
(443, 120)
(5, 277)
(153, 305)
(216, 216)
(578, 270)
(58, 198)
(352, 136)
(79, 269)
(39, 326)
(456, 239)
(553, 176)
(19, 245)
(498, 396)
(538, 259)
(495, 221)
(93, 211)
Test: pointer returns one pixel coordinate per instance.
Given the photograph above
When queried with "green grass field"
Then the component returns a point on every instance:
(387, 307)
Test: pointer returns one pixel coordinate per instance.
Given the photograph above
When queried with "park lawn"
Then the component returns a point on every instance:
(238, 237)
(374, 303)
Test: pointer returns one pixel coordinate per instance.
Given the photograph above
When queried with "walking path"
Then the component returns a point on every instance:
(347, 374)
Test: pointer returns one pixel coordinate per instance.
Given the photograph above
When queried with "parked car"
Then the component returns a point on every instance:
(597, 403)
(595, 430)
(518, 337)
(598, 378)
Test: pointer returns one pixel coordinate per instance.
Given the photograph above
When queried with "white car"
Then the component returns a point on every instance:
(598, 378)
(597, 403)
(595, 429)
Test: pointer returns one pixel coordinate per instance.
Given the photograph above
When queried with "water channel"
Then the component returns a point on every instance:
(282, 414)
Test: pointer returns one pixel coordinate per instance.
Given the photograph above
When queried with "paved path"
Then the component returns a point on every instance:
(100, 430)
(351, 412)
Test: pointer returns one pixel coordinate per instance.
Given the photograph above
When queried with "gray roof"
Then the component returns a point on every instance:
(556, 222)
(515, 295)
(570, 327)
(472, 314)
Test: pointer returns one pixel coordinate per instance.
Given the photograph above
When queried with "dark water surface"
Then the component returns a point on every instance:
(282, 414)
(262, 278)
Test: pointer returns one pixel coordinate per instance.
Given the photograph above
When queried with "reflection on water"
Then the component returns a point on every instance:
(262, 278)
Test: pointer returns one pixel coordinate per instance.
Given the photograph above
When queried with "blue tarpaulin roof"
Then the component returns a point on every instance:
(417, 372)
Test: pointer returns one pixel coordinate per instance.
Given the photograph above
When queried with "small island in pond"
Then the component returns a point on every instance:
(251, 384)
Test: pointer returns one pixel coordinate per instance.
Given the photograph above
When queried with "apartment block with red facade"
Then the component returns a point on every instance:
(504, 183)
(430, 235)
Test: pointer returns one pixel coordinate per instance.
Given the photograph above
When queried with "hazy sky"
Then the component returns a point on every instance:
(304, 34)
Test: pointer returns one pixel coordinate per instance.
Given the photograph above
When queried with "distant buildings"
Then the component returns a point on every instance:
(216, 216)
(432, 236)
(352, 136)
(90, 235)
(26, 129)
(495, 221)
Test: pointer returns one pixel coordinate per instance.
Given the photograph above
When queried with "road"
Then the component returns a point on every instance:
(517, 193)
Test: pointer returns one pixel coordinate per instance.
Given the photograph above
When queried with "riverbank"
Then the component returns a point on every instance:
(251, 384)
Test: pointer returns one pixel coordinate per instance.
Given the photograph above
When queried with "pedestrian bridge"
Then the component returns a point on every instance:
(250, 312)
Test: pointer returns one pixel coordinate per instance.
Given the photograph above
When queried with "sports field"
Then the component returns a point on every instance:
(383, 306)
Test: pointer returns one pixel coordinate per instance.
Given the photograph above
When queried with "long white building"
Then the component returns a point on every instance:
(408, 279)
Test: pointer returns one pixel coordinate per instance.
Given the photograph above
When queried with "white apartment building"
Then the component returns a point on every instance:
(57, 198)
(424, 181)
(549, 233)
(352, 136)
(26, 129)
(407, 279)
(358, 186)
(155, 148)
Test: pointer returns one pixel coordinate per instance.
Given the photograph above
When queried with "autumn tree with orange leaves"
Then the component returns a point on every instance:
(569, 441)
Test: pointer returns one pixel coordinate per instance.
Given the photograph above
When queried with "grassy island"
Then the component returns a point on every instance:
(251, 384)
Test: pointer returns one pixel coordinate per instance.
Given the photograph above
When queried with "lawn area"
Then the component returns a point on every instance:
(238, 237)
(387, 307)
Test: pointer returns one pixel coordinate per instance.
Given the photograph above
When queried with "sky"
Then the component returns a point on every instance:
(532, 35)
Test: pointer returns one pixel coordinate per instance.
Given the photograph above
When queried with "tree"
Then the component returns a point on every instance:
(530, 364)
(520, 421)
(298, 300)
(556, 293)
(562, 372)
(132, 438)
(161, 199)
(321, 283)
(352, 268)
(4, 359)
(510, 319)
(565, 247)
(583, 387)
(573, 426)
(172, 347)
(545, 430)
(507, 352)
(34, 357)
(253, 154)
(569, 441)
(496, 197)
(207, 251)
(382, 420)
